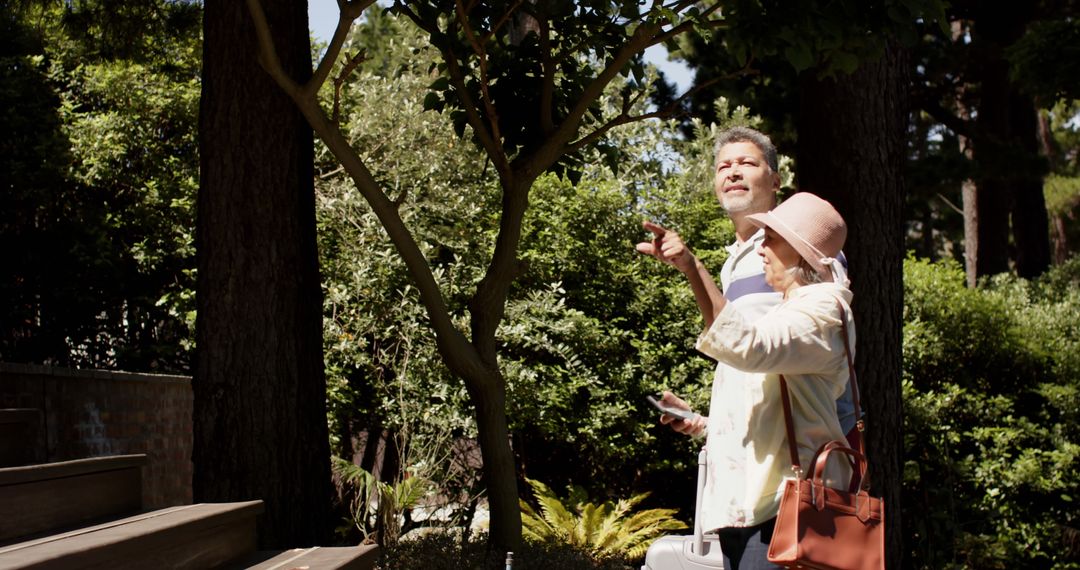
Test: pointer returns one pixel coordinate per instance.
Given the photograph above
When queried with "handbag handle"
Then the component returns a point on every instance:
(857, 460)
(860, 426)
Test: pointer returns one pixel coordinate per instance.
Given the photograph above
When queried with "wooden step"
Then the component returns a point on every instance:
(37, 498)
(197, 536)
(329, 558)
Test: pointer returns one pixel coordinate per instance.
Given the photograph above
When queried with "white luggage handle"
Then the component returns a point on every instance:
(699, 533)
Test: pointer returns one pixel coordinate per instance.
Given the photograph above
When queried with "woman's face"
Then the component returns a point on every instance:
(777, 256)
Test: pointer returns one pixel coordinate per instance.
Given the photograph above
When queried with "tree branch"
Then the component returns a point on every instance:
(458, 353)
(339, 81)
(547, 80)
(673, 109)
(644, 36)
(491, 145)
(349, 11)
(268, 57)
(683, 27)
(550, 151)
(481, 54)
(943, 116)
(502, 20)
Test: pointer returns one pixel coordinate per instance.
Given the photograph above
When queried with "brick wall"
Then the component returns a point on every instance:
(90, 413)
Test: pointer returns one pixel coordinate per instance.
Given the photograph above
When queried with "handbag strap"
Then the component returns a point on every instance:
(860, 426)
(785, 398)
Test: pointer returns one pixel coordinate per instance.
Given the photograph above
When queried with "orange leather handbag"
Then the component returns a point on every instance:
(820, 527)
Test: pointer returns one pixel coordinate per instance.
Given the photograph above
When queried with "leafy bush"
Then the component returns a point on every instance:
(604, 531)
(376, 506)
(992, 403)
(442, 551)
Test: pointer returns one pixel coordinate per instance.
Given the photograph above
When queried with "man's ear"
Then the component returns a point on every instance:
(776, 181)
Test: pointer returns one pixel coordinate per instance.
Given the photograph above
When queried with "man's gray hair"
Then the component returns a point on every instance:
(755, 137)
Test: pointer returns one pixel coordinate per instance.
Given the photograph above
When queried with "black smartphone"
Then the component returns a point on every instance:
(676, 412)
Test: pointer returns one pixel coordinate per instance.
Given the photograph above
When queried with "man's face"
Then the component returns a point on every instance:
(744, 182)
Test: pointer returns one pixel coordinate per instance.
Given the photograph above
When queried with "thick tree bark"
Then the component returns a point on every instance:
(1030, 220)
(851, 152)
(1006, 149)
(260, 427)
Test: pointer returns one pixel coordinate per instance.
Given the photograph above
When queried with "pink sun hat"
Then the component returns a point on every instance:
(813, 227)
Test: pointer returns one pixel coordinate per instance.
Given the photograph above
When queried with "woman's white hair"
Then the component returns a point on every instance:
(805, 274)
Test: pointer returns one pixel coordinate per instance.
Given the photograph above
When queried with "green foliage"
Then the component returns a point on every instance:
(604, 530)
(377, 505)
(591, 326)
(105, 167)
(604, 326)
(830, 37)
(1045, 60)
(1065, 135)
(757, 57)
(992, 434)
(528, 71)
(382, 365)
(109, 30)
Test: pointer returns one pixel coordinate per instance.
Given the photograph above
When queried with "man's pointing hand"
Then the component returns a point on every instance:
(668, 247)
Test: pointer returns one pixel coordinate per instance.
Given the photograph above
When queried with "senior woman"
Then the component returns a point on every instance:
(802, 339)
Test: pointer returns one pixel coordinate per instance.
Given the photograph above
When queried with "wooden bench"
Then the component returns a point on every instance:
(187, 537)
(337, 558)
(85, 514)
(36, 498)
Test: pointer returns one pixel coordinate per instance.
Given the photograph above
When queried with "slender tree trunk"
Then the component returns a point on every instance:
(851, 152)
(1049, 149)
(499, 475)
(260, 427)
(484, 380)
(970, 194)
(1062, 249)
(969, 190)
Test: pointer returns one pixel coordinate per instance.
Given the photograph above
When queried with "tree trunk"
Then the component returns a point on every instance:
(993, 194)
(1006, 146)
(851, 152)
(260, 427)
(970, 193)
(1048, 147)
(1030, 221)
(499, 475)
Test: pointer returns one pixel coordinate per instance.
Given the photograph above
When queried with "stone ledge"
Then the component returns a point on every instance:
(63, 372)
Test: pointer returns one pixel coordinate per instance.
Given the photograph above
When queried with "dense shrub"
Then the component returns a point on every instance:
(442, 551)
(992, 408)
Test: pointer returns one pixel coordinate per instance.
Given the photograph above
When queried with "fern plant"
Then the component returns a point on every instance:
(376, 505)
(604, 530)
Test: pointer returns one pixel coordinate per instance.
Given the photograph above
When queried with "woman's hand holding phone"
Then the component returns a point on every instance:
(676, 413)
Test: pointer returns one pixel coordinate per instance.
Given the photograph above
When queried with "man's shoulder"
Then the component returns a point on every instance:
(745, 257)
(749, 284)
